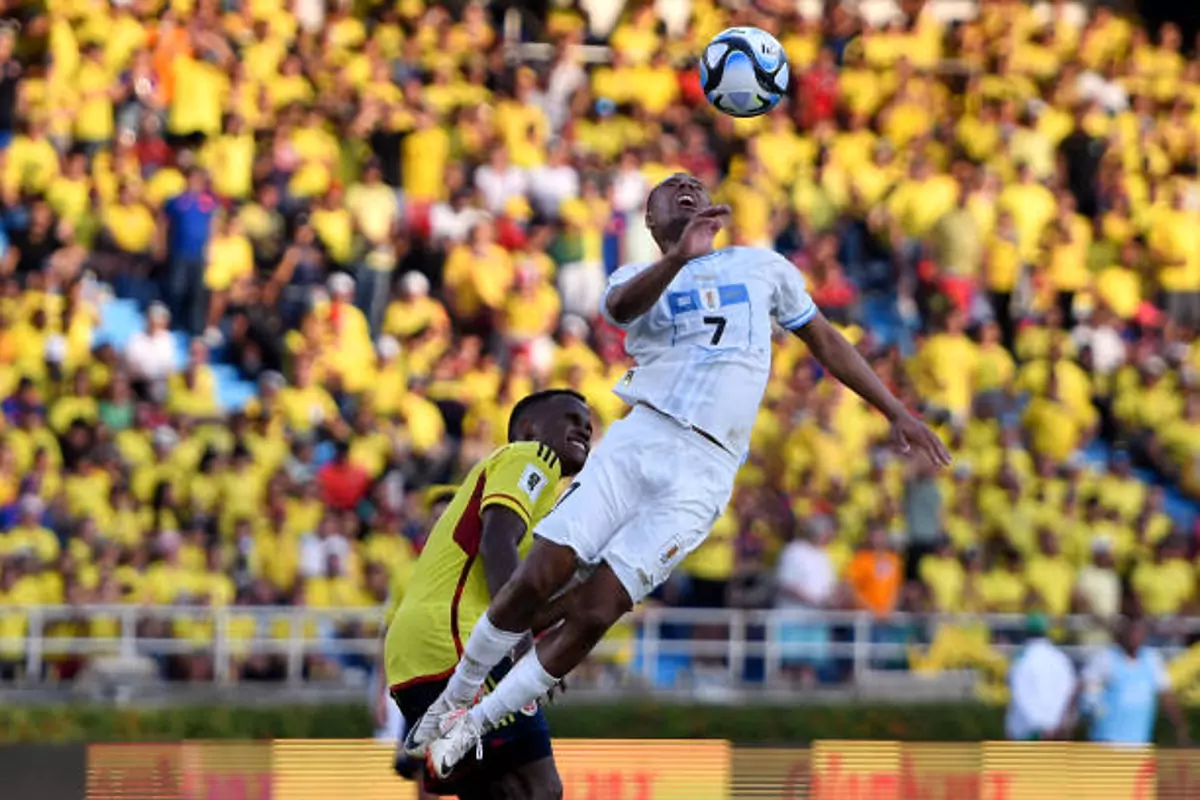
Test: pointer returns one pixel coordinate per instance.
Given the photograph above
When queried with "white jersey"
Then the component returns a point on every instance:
(703, 351)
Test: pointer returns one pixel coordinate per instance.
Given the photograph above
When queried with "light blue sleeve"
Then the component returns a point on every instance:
(1095, 675)
(622, 275)
(793, 305)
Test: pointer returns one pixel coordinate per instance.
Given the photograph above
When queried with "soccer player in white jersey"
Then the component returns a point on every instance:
(699, 326)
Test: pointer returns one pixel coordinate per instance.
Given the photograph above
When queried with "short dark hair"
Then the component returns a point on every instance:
(527, 404)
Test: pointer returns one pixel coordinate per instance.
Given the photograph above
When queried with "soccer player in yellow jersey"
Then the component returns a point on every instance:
(472, 551)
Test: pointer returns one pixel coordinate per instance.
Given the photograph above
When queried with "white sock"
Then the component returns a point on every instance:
(486, 647)
(526, 682)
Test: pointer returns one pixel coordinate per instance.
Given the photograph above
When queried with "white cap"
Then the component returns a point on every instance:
(1101, 544)
(56, 349)
(169, 540)
(158, 311)
(165, 437)
(414, 283)
(32, 504)
(575, 325)
(272, 379)
(388, 347)
(820, 525)
(340, 283)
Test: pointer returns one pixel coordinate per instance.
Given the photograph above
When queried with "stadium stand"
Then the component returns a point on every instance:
(273, 273)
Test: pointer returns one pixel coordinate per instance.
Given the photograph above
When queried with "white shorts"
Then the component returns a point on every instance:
(648, 496)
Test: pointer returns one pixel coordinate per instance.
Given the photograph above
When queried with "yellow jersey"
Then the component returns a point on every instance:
(448, 593)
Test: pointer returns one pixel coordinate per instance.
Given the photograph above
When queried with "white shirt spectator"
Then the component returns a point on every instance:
(450, 225)
(1041, 683)
(310, 14)
(1110, 94)
(629, 191)
(550, 185)
(151, 355)
(805, 576)
(1108, 348)
(500, 182)
(566, 76)
(315, 552)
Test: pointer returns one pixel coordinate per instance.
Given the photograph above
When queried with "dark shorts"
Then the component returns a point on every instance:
(702, 593)
(523, 739)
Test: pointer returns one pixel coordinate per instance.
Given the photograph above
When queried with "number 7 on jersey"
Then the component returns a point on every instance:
(718, 324)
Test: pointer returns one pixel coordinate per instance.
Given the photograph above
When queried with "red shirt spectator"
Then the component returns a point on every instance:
(830, 288)
(819, 92)
(343, 484)
(151, 151)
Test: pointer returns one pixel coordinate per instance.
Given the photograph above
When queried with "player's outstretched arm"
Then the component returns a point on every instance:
(629, 300)
(844, 362)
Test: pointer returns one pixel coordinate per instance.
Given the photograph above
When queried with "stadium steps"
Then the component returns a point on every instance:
(120, 319)
(232, 391)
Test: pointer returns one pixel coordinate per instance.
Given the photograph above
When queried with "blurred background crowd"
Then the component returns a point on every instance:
(273, 273)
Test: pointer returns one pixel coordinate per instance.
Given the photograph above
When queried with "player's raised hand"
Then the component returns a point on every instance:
(697, 237)
(910, 434)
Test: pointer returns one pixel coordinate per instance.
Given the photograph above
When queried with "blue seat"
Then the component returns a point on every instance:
(232, 395)
(119, 321)
(182, 346)
(225, 372)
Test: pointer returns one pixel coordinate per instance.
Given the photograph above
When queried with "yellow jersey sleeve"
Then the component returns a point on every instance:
(520, 477)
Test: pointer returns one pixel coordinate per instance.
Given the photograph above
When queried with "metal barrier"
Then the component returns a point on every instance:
(734, 647)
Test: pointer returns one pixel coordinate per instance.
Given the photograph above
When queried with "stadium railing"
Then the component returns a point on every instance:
(657, 648)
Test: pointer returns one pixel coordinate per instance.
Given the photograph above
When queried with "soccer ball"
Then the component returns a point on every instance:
(744, 72)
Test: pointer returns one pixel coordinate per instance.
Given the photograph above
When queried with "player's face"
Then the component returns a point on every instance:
(675, 201)
(568, 430)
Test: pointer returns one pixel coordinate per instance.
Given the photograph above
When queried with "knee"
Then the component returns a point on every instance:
(595, 613)
(538, 578)
(526, 590)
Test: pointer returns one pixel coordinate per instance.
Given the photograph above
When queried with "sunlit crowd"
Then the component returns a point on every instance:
(394, 227)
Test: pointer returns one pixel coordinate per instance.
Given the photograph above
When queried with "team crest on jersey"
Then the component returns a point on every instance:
(532, 482)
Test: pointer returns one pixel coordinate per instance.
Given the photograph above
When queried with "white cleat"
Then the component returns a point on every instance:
(459, 734)
(426, 730)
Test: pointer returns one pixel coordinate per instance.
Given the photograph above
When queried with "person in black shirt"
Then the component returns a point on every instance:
(31, 247)
(1079, 161)
(10, 80)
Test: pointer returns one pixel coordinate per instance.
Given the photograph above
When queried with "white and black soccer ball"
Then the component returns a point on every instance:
(744, 72)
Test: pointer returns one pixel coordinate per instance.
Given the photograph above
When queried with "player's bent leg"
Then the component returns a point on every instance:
(597, 604)
(547, 568)
(595, 607)
(577, 530)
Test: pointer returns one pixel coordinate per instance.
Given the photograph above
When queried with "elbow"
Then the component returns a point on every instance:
(618, 311)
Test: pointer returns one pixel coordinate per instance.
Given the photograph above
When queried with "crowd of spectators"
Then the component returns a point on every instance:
(396, 227)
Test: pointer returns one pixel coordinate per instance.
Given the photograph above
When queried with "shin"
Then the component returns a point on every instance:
(547, 568)
(596, 606)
